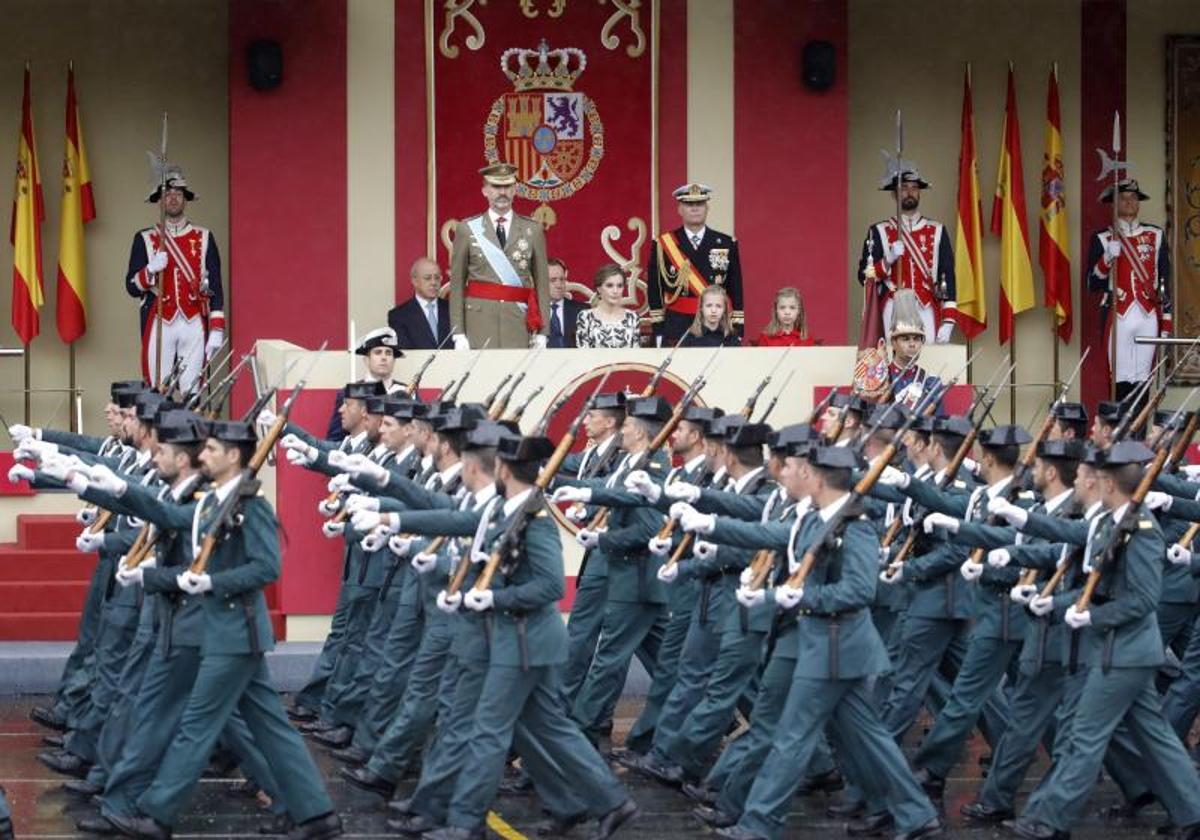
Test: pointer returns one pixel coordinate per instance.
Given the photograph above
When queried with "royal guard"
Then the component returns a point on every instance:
(687, 260)
(909, 381)
(499, 274)
(1130, 261)
(917, 256)
(186, 267)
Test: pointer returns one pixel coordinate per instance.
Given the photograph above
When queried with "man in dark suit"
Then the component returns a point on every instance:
(423, 321)
(563, 310)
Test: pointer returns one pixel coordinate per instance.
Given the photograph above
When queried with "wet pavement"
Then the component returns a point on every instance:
(42, 809)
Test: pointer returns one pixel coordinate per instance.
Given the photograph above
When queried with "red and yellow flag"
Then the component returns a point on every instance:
(1053, 250)
(968, 241)
(26, 232)
(78, 208)
(1009, 222)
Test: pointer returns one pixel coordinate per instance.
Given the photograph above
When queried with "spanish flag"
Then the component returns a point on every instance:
(968, 241)
(1053, 249)
(1008, 221)
(26, 233)
(78, 208)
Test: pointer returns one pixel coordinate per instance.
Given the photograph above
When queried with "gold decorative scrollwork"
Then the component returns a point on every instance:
(530, 10)
(456, 9)
(625, 9)
(632, 264)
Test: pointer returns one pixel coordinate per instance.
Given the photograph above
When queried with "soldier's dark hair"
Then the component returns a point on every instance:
(484, 458)
(747, 456)
(884, 436)
(617, 415)
(525, 472)
(192, 450)
(244, 448)
(1079, 427)
(652, 427)
(455, 440)
(1006, 455)
(948, 441)
(835, 478)
(1127, 477)
(1067, 469)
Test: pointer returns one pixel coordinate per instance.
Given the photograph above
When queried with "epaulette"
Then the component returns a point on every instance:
(1145, 523)
(541, 514)
(1027, 494)
(960, 484)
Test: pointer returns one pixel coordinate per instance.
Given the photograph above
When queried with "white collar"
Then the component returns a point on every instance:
(694, 464)
(143, 457)
(912, 221)
(604, 445)
(355, 440)
(1091, 512)
(692, 234)
(718, 478)
(426, 462)
(745, 480)
(1058, 501)
(937, 476)
(994, 490)
(483, 495)
(1130, 228)
(447, 475)
(512, 505)
(179, 228)
(508, 218)
(222, 491)
(1119, 512)
(922, 471)
(404, 453)
(378, 452)
(833, 507)
(182, 488)
(423, 301)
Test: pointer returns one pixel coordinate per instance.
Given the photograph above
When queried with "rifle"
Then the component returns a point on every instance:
(752, 400)
(216, 396)
(416, 380)
(661, 370)
(519, 412)
(1130, 424)
(247, 483)
(976, 417)
(829, 531)
(775, 399)
(517, 526)
(451, 392)
(499, 402)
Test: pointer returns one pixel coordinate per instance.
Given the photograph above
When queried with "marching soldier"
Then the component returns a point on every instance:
(918, 256)
(685, 261)
(184, 267)
(1130, 262)
(499, 285)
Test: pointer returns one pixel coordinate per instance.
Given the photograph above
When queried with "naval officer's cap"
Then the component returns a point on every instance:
(693, 193)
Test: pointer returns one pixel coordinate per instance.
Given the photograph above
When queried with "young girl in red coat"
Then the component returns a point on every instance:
(787, 327)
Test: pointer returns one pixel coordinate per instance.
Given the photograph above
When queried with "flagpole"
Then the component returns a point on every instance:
(27, 394)
(71, 384)
(1054, 309)
(1012, 375)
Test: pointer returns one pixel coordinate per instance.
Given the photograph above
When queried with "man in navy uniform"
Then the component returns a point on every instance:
(423, 321)
(684, 261)
(379, 349)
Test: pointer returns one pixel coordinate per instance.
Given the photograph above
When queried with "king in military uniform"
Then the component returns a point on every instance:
(687, 260)
(499, 276)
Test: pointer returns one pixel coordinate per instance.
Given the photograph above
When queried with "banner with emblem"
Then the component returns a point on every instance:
(563, 90)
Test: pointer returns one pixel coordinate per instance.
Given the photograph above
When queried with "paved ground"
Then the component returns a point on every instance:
(42, 809)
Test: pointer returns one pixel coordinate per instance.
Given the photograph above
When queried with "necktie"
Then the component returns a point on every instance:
(695, 240)
(556, 330)
(501, 234)
(431, 316)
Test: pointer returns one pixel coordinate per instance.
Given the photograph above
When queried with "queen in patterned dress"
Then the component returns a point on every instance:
(608, 323)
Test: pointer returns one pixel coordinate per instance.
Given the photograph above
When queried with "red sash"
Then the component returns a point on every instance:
(509, 294)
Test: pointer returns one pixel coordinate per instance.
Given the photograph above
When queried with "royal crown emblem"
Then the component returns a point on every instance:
(544, 127)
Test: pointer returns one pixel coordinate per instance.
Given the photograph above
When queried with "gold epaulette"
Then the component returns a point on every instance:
(960, 484)
(1145, 523)
(1027, 494)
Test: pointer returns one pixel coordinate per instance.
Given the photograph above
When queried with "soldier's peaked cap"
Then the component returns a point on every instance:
(612, 401)
(182, 427)
(721, 426)
(954, 425)
(853, 402)
(836, 457)
(747, 435)
(403, 409)
(363, 390)
(703, 416)
(1122, 454)
(1065, 450)
(499, 174)
(488, 434)
(524, 449)
(461, 418)
(693, 193)
(797, 433)
(131, 386)
(648, 408)
(232, 431)
(1070, 412)
(1166, 417)
(377, 405)
(1110, 412)
(1006, 435)
(382, 337)
(888, 417)
(146, 404)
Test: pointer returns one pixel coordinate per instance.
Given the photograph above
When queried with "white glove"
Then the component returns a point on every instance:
(704, 549)
(375, 540)
(56, 467)
(157, 262)
(340, 483)
(1156, 500)
(893, 477)
(572, 494)
(366, 520)
(102, 478)
(300, 453)
(1023, 593)
(328, 507)
(788, 597)
(971, 571)
(681, 491)
(361, 465)
(945, 332)
(424, 563)
(33, 450)
(1179, 555)
(332, 529)
(480, 600)
(215, 339)
(697, 522)
(577, 513)
(1042, 605)
(87, 542)
(746, 576)
(297, 458)
(361, 501)
(461, 343)
(892, 574)
(659, 547)
(19, 432)
(20, 472)
(448, 603)
(128, 577)
(537, 342)
(668, 572)
(400, 545)
(266, 417)
(85, 515)
(1112, 250)
(1192, 471)
(150, 562)
(1077, 619)
(893, 251)
(480, 557)
(998, 558)
(194, 584)
(940, 520)
(589, 538)
(1013, 514)
(640, 482)
(751, 597)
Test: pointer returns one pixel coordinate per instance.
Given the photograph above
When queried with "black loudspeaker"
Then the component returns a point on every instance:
(264, 65)
(819, 65)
